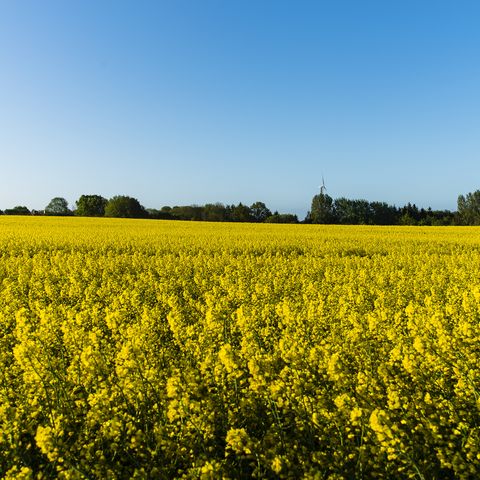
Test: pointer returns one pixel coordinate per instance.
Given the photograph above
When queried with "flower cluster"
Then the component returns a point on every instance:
(141, 349)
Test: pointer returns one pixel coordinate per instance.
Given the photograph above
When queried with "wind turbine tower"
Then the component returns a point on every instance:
(323, 188)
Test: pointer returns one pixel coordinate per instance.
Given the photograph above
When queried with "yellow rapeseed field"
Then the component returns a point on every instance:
(156, 349)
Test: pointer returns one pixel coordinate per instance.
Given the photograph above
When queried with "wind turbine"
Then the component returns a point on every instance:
(322, 186)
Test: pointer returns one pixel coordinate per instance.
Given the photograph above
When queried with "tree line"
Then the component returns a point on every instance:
(324, 210)
(123, 206)
(362, 212)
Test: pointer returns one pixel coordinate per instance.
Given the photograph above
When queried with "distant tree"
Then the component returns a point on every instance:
(383, 214)
(363, 212)
(187, 212)
(122, 206)
(229, 212)
(259, 212)
(166, 209)
(437, 217)
(406, 219)
(152, 213)
(469, 208)
(445, 217)
(352, 212)
(343, 211)
(215, 212)
(91, 206)
(411, 212)
(57, 206)
(308, 218)
(18, 210)
(241, 213)
(159, 214)
(322, 210)
(282, 218)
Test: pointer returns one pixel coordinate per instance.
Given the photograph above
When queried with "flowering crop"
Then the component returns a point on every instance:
(142, 349)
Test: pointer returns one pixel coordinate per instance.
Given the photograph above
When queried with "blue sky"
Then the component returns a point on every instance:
(187, 102)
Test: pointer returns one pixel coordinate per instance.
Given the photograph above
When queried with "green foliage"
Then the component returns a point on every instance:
(469, 208)
(187, 212)
(322, 209)
(282, 218)
(122, 206)
(57, 206)
(383, 214)
(18, 210)
(361, 212)
(352, 212)
(91, 206)
(241, 213)
(158, 214)
(259, 212)
(215, 212)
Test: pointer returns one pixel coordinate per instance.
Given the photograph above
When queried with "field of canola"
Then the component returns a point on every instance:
(156, 349)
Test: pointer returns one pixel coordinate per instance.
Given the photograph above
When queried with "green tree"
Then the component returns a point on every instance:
(322, 209)
(122, 206)
(469, 208)
(158, 214)
(57, 206)
(241, 213)
(282, 218)
(410, 215)
(18, 210)
(383, 214)
(407, 219)
(259, 212)
(214, 212)
(345, 211)
(187, 212)
(91, 206)
(353, 212)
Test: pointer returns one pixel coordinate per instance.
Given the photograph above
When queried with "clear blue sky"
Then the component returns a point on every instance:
(179, 102)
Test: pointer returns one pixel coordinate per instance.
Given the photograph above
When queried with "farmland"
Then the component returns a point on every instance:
(162, 349)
